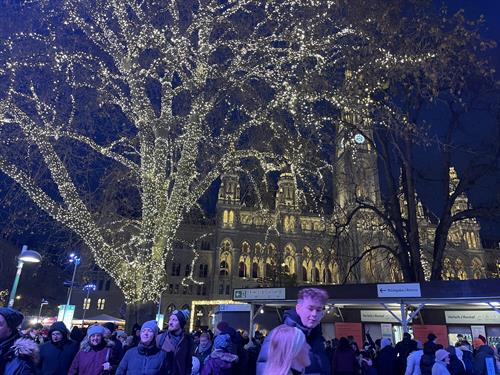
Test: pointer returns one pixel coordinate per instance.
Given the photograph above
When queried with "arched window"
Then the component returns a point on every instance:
(460, 268)
(448, 272)
(223, 268)
(242, 269)
(317, 275)
(255, 270)
(269, 270)
(477, 269)
(327, 276)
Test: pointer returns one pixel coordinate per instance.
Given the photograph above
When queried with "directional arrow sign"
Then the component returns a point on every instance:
(399, 290)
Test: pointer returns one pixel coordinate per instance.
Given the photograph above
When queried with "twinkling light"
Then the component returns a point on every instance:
(269, 62)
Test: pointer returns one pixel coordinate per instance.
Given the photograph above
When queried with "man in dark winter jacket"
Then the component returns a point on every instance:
(428, 358)
(57, 354)
(402, 352)
(177, 344)
(386, 358)
(307, 317)
(17, 355)
(483, 352)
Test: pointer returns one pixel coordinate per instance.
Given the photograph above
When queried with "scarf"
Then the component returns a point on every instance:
(204, 348)
(174, 339)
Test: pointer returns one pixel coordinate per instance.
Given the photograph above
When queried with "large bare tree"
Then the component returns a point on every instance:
(165, 96)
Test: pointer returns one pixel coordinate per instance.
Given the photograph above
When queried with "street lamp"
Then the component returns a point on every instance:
(73, 258)
(87, 288)
(26, 256)
(44, 302)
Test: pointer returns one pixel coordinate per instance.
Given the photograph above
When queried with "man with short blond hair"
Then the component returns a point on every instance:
(306, 316)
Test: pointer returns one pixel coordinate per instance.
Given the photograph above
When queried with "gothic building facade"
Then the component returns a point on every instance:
(281, 245)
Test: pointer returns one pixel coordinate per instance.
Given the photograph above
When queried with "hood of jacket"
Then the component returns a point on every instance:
(224, 356)
(60, 327)
(26, 349)
(291, 318)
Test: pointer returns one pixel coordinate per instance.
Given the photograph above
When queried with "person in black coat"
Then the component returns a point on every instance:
(428, 358)
(57, 354)
(307, 317)
(456, 366)
(17, 355)
(386, 358)
(403, 350)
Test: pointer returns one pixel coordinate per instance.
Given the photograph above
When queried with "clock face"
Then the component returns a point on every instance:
(359, 138)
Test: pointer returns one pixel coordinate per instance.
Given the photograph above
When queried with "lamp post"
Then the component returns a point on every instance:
(87, 288)
(26, 256)
(73, 258)
(44, 302)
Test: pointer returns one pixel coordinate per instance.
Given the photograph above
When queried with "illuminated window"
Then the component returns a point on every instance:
(100, 303)
(86, 303)
(223, 268)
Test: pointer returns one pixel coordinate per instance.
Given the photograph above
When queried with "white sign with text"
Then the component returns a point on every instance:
(259, 294)
(380, 316)
(472, 317)
(399, 290)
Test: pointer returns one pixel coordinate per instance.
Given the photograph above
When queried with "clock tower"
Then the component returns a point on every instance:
(356, 177)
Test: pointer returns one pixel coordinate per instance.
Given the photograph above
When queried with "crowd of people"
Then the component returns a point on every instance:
(295, 347)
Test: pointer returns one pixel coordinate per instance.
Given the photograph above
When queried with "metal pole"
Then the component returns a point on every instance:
(404, 321)
(13, 291)
(251, 321)
(70, 290)
(159, 305)
(85, 306)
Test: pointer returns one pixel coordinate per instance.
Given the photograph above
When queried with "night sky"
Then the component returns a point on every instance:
(479, 128)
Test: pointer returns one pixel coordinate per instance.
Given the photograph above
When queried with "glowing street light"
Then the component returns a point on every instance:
(26, 256)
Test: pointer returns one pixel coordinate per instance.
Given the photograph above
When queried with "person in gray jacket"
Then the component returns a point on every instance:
(146, 358)
(307, 317)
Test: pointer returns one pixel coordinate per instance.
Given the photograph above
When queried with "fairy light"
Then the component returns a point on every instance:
(175, 158)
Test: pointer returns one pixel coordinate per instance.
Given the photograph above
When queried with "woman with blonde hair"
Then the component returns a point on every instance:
(288, 352)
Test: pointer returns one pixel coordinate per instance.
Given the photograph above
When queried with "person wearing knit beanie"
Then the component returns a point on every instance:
(182, 317)
(220, 361)
(13, 318)
(95, 330)
(221, 341)
(17, 355)
(152, 325)
(177, 344)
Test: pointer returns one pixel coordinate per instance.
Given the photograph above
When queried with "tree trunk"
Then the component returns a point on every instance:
(138, 313)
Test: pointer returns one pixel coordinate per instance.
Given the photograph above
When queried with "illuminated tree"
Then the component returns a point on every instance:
(183, 90)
